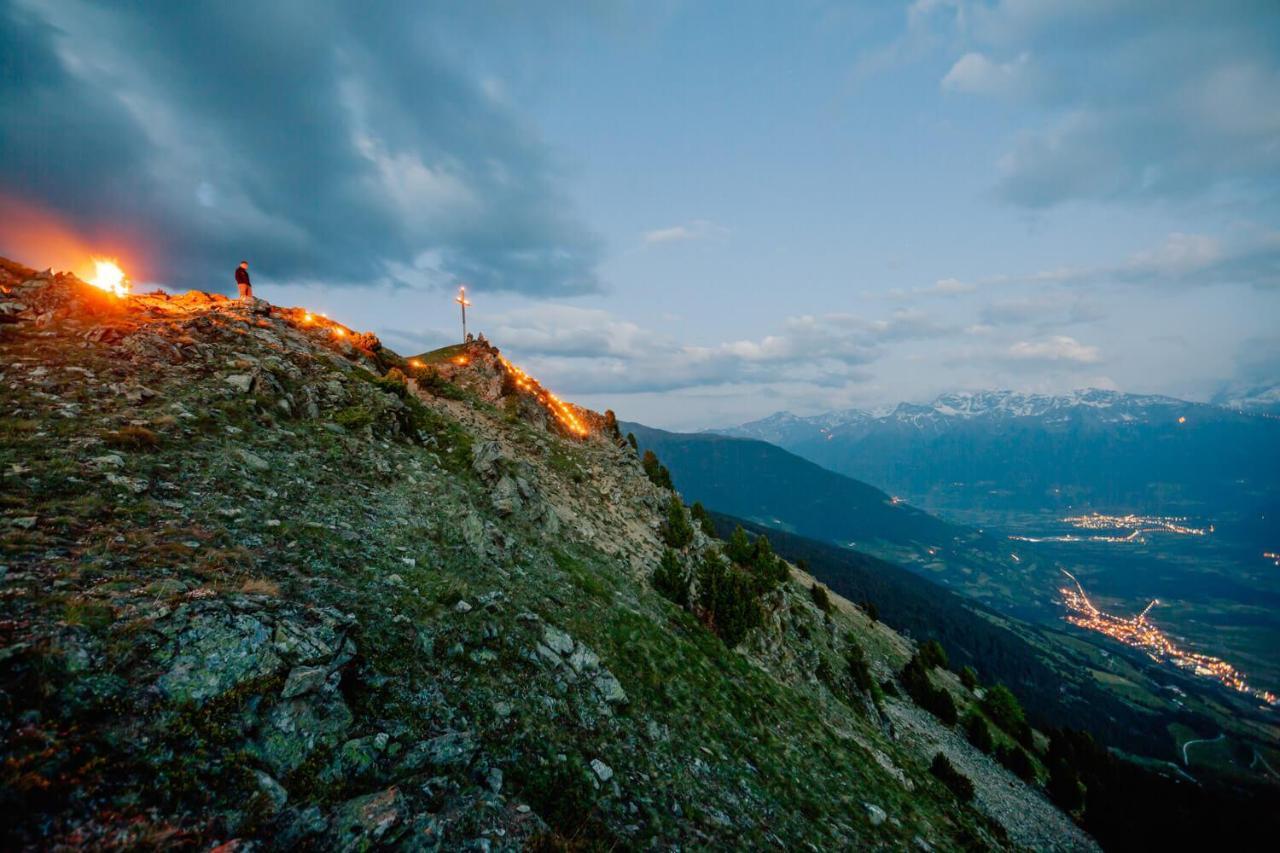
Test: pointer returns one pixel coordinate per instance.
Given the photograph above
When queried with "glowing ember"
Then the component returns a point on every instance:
(109, 277)
(557, 407)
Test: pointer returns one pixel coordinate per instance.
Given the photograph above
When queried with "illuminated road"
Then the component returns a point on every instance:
(1137, 632)
(1185, 759)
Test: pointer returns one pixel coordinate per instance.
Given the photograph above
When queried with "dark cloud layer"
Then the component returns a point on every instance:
(326, 141)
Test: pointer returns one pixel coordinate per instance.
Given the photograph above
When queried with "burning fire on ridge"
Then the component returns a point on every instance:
(109, 277)
(557, 407)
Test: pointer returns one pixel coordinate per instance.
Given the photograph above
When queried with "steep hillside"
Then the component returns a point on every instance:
(762, 483)
(1131, 705)
(264, 579)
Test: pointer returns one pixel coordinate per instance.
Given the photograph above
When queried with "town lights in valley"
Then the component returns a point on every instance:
(1140, 634)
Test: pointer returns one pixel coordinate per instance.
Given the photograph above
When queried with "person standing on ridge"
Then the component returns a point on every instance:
(242, 281)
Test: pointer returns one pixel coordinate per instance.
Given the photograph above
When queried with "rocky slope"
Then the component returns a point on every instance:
(266, 583)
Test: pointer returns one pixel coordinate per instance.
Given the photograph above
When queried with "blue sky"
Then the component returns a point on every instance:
(696, 213)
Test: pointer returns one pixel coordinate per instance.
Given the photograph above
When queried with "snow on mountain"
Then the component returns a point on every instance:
(1107, 406)
(1257, 400)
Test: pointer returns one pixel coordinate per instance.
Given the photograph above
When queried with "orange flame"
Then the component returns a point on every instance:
(557, 407)
(109, 277)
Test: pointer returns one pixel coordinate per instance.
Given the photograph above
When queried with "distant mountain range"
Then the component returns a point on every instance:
(1091, 448)
(1256, 399)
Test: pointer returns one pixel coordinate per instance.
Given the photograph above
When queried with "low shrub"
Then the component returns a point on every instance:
(859, 671)
(979, 733)
(132, 438)
(957, 782)
(821, 599)
(935, 700)
(1016, 761)
(933, 655)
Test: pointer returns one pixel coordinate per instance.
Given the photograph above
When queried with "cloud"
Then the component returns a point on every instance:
(585, 351)
(324, 142)
(1245, 257)
(1121, 111)
(949, 287)
(1054, 349)
(1043, 310)
(975, 74)
(697, 229)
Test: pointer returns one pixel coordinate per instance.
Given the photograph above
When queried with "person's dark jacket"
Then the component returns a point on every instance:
(242, 275)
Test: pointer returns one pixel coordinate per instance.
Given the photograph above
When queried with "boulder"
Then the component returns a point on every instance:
(242, 382)
(603, 771)
(304, 679)
(295, 728)
(214, 653)
(450, 750)
(486, 459)
(373, 819)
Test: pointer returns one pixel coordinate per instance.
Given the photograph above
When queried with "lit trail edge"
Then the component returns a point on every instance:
(1141, 634)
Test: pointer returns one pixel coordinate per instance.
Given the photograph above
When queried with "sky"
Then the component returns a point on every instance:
(692, 213)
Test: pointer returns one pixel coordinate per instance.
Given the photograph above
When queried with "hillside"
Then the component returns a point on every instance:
(1010, 622)
(264, 579)
(762, 483)
(1146, 797)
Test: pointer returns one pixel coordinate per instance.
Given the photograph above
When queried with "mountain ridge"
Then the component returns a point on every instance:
(787, 427)
(268, 582)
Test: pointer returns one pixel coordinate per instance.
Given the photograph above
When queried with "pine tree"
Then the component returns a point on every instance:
(656, 471)
(703, 518)
(671, 579)
(738, 549)
(1003, 709)
(676, 530)
(728, 601)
